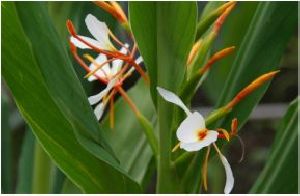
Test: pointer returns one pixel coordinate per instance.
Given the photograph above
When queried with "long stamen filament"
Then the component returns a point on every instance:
(204, 169)
(117, 40)
(97, 65)
(129, 101)
(176, 147)
(83, 64)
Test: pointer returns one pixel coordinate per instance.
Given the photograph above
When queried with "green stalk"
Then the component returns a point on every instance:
(42, 171)
(165, 178)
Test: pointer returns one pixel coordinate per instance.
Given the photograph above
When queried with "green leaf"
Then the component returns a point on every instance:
(260, 52)
(164, 33)
(61, 80)
(127, 137)
(41, 172)
(25, 169)
(52, 101)
(6, 146)
(280, 174)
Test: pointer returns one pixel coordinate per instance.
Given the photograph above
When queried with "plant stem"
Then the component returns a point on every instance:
(42, 171)
(165, 177)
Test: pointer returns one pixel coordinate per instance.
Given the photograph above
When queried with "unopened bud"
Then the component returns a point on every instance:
(250, 88)
(194, 52)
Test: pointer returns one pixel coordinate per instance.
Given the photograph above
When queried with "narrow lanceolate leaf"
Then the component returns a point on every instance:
(46, 100)
(260, 52)
(280, 174)
(25, 169)
(6, 146)
(165, 33)
(60, 78)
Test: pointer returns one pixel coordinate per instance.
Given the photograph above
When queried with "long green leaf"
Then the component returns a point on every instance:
(25, 172)
(280, 172)
(60, 78)
(35, 84)
(6, 146)
(165, 33)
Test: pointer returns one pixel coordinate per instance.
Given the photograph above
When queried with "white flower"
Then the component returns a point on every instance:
(108, 70)
(192, 132)
(100, 33)
(99, 109)
(194, 136)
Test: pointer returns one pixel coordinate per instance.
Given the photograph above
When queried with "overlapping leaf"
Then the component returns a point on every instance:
(50, 98)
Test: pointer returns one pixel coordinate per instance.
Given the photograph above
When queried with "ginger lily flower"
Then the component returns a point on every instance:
(100, 33)
(193, 135)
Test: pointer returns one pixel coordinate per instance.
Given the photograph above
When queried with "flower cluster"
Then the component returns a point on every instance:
(111, 66)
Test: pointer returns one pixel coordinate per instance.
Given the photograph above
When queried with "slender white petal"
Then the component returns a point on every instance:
(117, 64)
(82, 45)
(99, 30)
(139, 60)
(99, 109)
(171, 97)
(209, 139)
(187, 131)
(96, 98)
(100, 59)
(229, 176)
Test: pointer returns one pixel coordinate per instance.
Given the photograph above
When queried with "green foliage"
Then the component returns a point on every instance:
(44, 105)
(280, 175)
(76, 154)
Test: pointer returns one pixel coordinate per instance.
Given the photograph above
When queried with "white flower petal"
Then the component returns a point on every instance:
(82, 45)
(100, 59)
(99, 30)
(209, 139)
(187, 131)
(229, 176)
(171, 97)
(139, 60)
(117, 64)
(99, 109)
(96, 98)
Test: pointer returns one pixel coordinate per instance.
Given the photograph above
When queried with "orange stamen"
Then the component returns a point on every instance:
(114, 9)
(112, 113)
(250, 88)
(82, 63)
(98, 66)
(204, 169)
(129, 101)
(216, 57)
(117, 40)
(234, 127)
